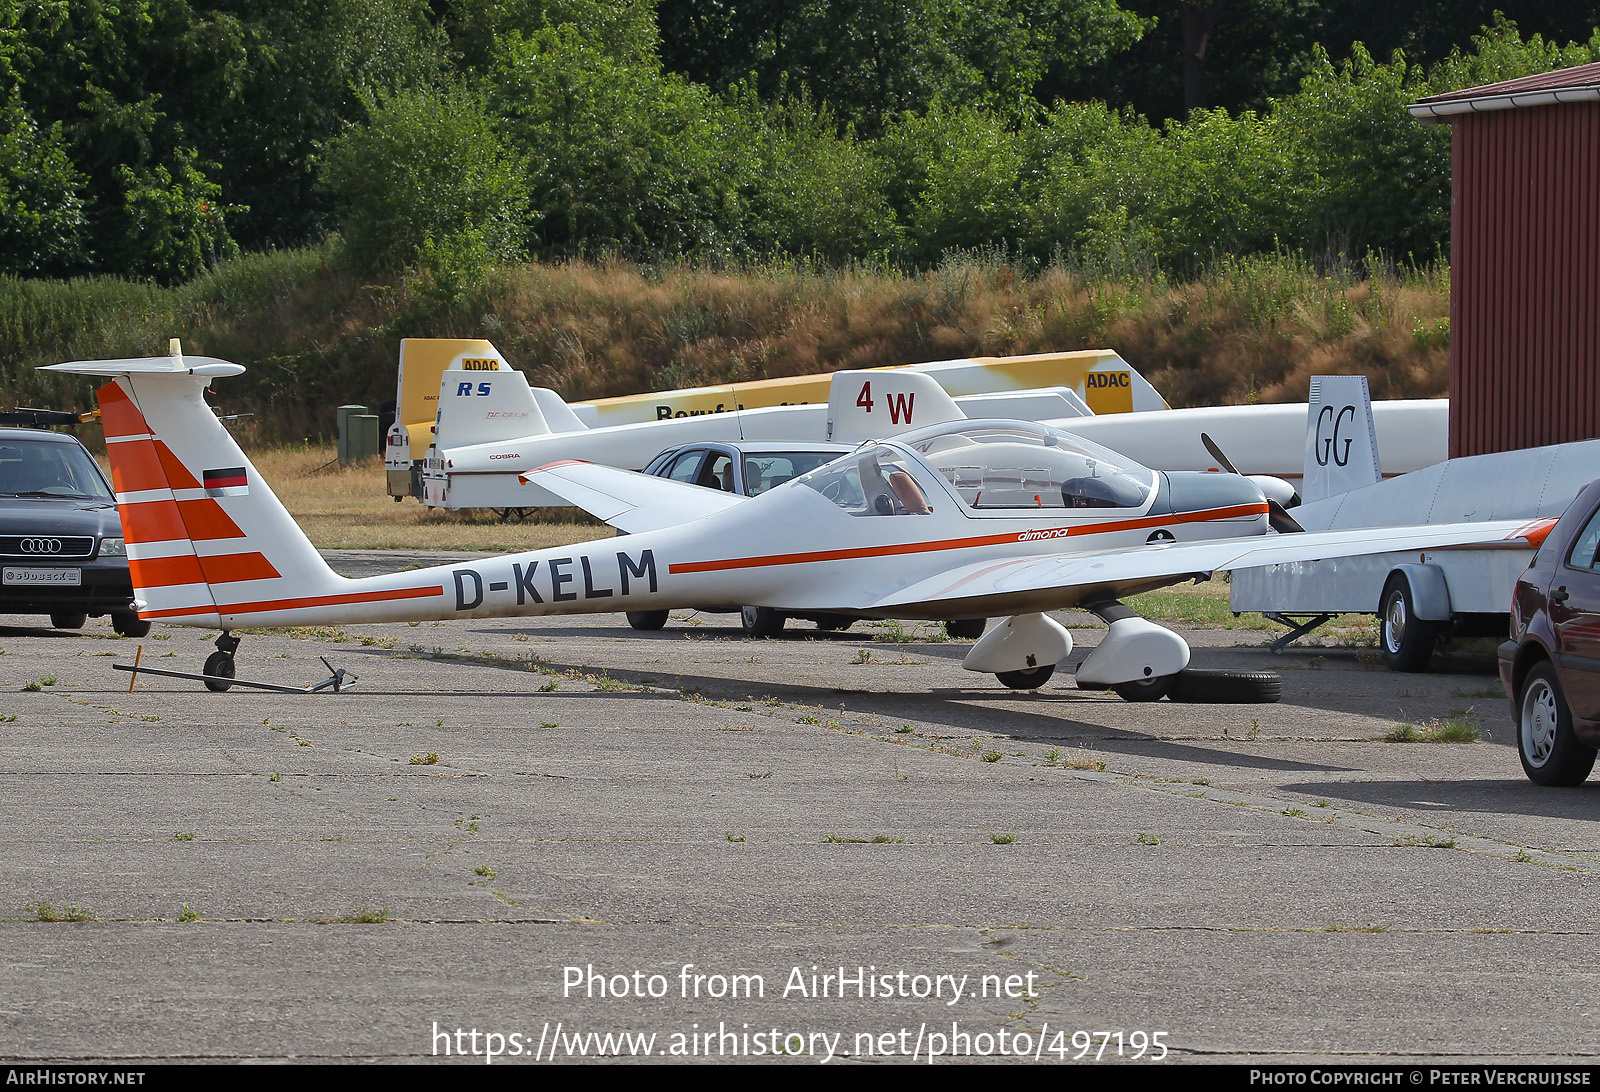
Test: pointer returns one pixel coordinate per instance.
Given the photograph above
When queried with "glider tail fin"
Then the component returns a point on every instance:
(1341, 440)
(198, 520)
(865, 405)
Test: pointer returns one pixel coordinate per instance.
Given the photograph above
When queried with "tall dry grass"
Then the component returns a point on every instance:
(316, 335)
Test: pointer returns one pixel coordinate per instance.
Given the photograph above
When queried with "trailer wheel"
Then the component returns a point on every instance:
(761, 621)
(1407, 641)
(1226, 687)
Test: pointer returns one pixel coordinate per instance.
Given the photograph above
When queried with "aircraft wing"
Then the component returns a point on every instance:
(1054, 581)
(626, 499)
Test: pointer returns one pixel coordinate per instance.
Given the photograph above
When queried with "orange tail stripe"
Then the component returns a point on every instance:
(267, 606)
(118, 415)
(178, 476)
(166, 572)
(229, 568)
(152, 521)
(135, 467)
(206, 520)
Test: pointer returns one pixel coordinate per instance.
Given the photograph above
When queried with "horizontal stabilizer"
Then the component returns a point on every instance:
(626, 499)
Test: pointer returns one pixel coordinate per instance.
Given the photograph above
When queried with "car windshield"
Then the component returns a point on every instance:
(32, 468)
(764, 472)
(1005, 466)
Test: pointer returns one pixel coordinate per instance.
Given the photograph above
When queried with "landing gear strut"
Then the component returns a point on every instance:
(219, 665)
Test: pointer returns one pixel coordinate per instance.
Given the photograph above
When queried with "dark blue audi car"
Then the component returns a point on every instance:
(61, 547)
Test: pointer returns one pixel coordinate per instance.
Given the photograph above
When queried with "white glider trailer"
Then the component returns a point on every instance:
(1420, 597)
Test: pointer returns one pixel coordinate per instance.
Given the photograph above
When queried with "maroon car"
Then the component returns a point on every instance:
(1551, 665)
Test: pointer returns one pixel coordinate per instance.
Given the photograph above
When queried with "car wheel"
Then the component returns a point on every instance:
(647, 620)
(68, 621)
(761, 621)
(1226, 687)
(966, 629)
(128, 624)
(219, 665)
(1031, 679)
(1406, 640)
(1551, 752)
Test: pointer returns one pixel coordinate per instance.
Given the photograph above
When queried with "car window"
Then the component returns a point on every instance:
(876, 482)
(687, 467)
(718, 472)
(1586, 544)
(48, 469)
(764, 472)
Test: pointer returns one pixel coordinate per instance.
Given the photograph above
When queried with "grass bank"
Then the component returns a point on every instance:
(316, 335)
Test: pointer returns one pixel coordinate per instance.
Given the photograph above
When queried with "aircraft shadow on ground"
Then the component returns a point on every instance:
(947, 708)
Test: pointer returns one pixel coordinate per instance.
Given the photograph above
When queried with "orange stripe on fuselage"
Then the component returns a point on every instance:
(271, 605)
(1050, 535)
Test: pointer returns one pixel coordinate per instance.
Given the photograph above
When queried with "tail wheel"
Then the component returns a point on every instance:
(219, 666)
(1031, 679)
(761, 621)
(1226, 687)
(647, 620)
(1551, 752)
(1407, 641)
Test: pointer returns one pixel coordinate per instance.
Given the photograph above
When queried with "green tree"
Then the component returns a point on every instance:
(428, 172)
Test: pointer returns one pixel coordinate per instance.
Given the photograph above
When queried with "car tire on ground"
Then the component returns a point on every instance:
(647, 620)
(966, 629)
(128, 624)
(1203, 687)
(761, 621)
(219, 665)
(68, 621)
(1030, 679)
(1406, 640)
(1550, 750)
(834, 623)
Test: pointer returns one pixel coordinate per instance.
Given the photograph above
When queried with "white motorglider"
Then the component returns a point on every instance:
(962, 519)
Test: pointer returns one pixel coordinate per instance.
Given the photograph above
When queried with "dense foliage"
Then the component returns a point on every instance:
(153, 138)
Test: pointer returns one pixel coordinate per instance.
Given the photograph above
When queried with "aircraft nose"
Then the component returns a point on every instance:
(1197, 491)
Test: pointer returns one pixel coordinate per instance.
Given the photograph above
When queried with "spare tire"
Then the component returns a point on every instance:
(1226, 687)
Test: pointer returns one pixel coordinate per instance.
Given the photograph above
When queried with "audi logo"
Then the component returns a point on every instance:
(40, 546)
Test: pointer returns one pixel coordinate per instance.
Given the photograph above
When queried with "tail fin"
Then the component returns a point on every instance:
(864, 405)
(478, 407)
(1341, 440)
(196, 514)
(422, 361)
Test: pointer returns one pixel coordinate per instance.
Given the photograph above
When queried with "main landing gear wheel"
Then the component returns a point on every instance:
(1551, 753)
(1143, 689)
(647, 620)
(125, 623)
(1406, 640)
(219, 668)
(966, 629)
(1030, 679)
(761, 621)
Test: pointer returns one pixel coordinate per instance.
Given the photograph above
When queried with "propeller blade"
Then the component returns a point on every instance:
(1281, 521)
(1216, 453)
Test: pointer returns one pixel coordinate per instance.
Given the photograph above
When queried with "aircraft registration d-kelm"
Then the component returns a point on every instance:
(957, 520)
